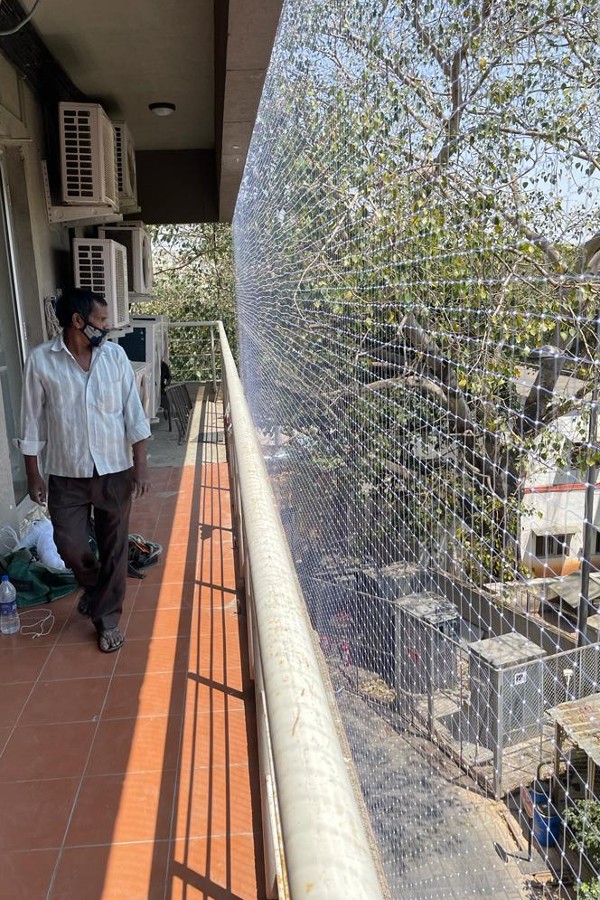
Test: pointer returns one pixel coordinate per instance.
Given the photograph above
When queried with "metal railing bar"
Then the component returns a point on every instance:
(208, 324)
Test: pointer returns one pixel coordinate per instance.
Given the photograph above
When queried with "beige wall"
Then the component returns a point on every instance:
(40, 251)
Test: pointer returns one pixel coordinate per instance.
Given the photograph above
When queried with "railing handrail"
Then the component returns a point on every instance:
(326, 847)
(209, 323)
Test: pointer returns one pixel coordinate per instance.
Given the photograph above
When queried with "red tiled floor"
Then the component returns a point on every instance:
(53, 702)
(35, 813)
(159, 694)
(26, 874)
(133, 774)
(37, 751)
(133, 871)
(213, 867)
(122, 808)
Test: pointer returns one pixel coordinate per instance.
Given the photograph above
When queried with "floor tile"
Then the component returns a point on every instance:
(215, 800)
(46, 751)
(215, 738)
(156, 655)
(215, 867)
(23, 663)
(207, 697)
(165, 596)
(41, 626)
(147, 623)
(13, 701)
(118, 872)
(157, 694)
(5, 733)
(135, 745)
(35, 813)
(77, 630)
(213, 645)
(77, 700)
(212, 670)
(123, 808)
(26, 874)
(79, 660)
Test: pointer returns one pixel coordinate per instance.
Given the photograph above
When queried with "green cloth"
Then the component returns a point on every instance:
(34, 582)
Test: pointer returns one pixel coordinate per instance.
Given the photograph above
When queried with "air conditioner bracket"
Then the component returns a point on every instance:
(76, 215)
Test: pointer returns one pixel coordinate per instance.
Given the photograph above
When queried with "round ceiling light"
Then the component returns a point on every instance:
(162, 109)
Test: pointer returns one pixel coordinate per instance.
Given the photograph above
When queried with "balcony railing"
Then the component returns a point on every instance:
(315, 832)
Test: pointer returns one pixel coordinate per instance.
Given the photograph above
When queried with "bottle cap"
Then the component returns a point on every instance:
(4, 578)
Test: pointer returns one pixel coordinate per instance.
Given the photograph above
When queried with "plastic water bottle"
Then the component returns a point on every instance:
(9, 617)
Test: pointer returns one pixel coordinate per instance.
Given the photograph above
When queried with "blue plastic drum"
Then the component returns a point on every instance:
(546, 821)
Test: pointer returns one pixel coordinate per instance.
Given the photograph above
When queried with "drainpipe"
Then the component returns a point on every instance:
(588, 526)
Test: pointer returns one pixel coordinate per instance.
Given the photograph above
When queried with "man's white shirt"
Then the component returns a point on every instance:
(80, 420)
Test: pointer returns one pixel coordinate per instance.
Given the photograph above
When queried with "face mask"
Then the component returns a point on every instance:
(96, 336)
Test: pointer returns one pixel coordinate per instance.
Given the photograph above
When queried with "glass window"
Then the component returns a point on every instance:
(548, 545)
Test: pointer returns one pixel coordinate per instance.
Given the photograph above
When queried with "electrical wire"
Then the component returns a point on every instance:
(15, 28)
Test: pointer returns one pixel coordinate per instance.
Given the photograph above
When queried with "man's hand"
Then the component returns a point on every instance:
(36, 487)
(141, 480)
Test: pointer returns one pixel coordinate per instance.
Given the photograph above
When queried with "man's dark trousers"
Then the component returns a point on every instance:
(70, 502)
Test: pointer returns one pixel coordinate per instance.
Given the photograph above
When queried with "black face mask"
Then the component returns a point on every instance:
(96, 336)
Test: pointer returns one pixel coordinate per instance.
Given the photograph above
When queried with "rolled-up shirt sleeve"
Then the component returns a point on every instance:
(136, 423)
(33, 412)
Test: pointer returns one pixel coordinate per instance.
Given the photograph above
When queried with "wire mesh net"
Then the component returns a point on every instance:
(417, 244)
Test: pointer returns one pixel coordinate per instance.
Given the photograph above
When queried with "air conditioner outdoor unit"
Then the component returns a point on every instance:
(101, 266)
(125, 163)
(87, 146)
(138, 244)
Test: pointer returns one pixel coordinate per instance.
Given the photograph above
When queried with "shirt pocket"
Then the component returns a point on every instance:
(110, 396)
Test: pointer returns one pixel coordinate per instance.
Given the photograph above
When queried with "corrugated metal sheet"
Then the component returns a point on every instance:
(581, 722)
(568, 589)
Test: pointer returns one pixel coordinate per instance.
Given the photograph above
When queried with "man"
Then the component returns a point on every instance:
(82, 411)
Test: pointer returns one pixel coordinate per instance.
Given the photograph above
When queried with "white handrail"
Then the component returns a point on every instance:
(327, 851)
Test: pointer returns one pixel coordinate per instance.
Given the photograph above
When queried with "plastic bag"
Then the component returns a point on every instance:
(41, 536)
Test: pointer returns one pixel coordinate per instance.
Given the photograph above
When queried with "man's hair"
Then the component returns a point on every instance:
(76, 300)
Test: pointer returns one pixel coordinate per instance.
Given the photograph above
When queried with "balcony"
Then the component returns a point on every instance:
(147, 773)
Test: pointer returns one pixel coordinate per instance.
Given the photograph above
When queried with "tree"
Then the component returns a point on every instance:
(419, 215)
(193, 281)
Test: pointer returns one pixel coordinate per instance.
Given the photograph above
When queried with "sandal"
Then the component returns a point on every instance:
(110, 640)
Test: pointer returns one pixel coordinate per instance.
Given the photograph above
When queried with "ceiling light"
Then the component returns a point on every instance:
(162, 109)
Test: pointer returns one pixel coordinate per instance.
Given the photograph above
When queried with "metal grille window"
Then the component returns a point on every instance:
(549, 545)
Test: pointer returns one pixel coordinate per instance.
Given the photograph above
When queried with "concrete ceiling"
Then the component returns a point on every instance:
(129, 53)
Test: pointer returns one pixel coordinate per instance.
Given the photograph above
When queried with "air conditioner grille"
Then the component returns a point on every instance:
(101, 266)
(125, 166)
(119, 158)
(78, 153)
(92, 270)
(121, 288)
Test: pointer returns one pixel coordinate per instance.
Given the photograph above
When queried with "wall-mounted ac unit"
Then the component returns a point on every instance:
(138, 244)
(87, 146)
(101, 266)
(125, 162)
